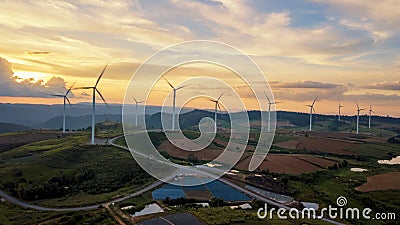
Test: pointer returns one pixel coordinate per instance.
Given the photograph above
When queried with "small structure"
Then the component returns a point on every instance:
(242, 206)
(149, 209)
(203, 204)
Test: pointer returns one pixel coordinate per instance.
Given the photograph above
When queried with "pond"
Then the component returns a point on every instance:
(215, 188)
(393, 161)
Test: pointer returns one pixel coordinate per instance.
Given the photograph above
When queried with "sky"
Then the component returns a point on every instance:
(338, 50)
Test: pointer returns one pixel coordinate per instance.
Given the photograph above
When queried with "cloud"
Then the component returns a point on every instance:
(307, 84)
(385, 85)
(11, 85)
(38, 53)
(307, 91)
(271, 33)
(379, 18)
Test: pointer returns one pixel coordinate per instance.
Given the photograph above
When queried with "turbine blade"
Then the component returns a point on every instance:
(219, 107)
(84, 88)
(56, 95)
(101, 96)
(269, 101)
(181, 87)
(70, 88)
(134, 99)
(314, 101)
(68, 101)
(358, 107)
(101, 74)
(169, 83)
(220, 95)
(141, 101)
(212, 100)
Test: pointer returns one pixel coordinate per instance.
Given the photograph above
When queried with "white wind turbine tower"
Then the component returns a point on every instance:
(311, 112)
(339, 106)
(65, 97)
(216, 109)
(358, 114)
(269, 111)
(174, 100)
(370, 114)
(94, 88)
(136, 109)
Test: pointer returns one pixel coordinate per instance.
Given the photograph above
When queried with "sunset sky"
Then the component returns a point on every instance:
(344, 50)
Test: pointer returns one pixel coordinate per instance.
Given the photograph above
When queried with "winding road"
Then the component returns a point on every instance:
(141, 191)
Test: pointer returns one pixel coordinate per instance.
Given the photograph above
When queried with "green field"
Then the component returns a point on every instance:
(67, 172)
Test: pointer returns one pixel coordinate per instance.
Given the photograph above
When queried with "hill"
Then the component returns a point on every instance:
(77, 122)
(10, 127)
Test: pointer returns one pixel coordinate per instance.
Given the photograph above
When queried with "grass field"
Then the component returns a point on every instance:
(66, 172)
(14, 215)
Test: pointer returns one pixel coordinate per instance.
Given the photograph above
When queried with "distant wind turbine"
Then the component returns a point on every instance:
(65, 97)
(174, 100)
(216, 109)
(358, 114)
(370, 114)
(94, 88)
(339, 106)
(269, 111)
(136, 109)
(311, 112)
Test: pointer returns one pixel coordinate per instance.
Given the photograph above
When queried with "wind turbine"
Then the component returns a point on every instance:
(136, 109)
(94, 88)
(216, 109)
(65, 101)
(370, 113)
(358, 114)
(269, 111)
(311, 111)
(174, 100)
(339, 106)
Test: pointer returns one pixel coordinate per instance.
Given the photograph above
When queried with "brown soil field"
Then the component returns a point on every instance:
(206, 154)
(197, 194)
(318, 145)
(321, 162)
(277, 163)
(252, 136)
(8, 142)
(347, 137)
(225, 143)
(292, 144)
(381, 182)
(325, 145)
(290, 164)
(284, 124)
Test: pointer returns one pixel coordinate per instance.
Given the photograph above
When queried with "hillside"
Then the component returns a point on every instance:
(10, 127)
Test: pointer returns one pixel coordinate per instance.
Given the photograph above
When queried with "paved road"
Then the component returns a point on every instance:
(143, 190)
(244, 190)
(83, 208)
